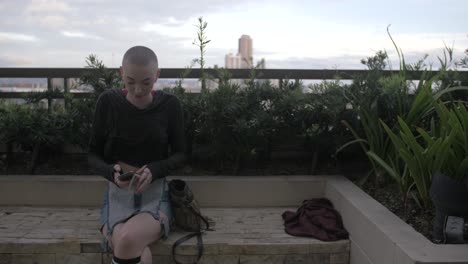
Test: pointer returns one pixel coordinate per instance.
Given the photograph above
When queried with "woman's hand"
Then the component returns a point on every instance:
(144, 178)
(117, 171)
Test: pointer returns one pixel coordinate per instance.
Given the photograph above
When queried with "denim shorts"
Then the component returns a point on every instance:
(164, 207)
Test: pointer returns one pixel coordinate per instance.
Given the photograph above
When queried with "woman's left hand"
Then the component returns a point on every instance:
(144, 180)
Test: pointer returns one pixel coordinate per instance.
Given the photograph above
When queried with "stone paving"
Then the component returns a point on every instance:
(40, 235)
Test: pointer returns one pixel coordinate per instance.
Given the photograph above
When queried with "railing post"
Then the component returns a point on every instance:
(49, 90)
(65, 92)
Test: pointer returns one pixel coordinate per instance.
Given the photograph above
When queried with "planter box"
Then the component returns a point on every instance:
(376, 235)
(379, 236)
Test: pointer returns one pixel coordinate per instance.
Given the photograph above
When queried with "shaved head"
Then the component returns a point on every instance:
(139, 72)
(140, 55)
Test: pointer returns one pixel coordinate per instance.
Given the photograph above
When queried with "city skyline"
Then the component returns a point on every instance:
(312, 34)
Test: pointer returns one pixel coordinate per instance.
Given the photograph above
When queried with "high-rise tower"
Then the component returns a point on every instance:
(245, 51)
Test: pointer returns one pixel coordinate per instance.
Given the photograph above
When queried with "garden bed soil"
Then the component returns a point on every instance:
(421, 220)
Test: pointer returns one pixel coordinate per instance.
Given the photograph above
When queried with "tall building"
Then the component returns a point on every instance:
(245, 51)
(244, 58)
(232, 61)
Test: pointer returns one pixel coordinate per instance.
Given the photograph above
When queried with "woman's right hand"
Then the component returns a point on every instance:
(117, 171)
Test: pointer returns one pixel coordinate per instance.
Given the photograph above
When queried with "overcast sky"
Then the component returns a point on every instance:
(313, 34)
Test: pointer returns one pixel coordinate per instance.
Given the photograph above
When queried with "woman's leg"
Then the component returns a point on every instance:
(146, 257)
(132, 237)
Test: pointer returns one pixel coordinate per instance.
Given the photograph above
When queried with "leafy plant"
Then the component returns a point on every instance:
(323, 109)
(421, 161)
(444, 148)
(81, 110)
(45, 130)
(100, 77)
(365, 95)
(201, 43)
(222, 121)
(35, 129)
(36, 97)
(463, 62)
(453, 126)
(380, 97)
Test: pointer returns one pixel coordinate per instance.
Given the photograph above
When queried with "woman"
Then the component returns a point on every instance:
(133, 130)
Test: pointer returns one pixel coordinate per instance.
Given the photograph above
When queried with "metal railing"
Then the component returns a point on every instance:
(176, 73)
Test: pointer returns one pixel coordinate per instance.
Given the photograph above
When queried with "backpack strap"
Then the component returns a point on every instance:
(189, 236)
(203, 219)
(185, 238)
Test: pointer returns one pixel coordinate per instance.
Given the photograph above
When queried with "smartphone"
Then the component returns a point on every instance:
(126, 176)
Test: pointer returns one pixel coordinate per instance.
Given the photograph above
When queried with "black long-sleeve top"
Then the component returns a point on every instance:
(122, 132)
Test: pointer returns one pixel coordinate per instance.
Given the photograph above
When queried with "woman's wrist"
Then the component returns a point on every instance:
(150, 175)
(116, 168)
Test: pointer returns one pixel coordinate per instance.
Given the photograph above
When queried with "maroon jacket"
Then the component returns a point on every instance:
(315, 218)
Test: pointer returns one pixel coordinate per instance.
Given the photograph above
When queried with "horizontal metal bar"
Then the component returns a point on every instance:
(176, 73)
(20, 95)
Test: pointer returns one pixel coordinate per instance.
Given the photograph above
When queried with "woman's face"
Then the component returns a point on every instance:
(139, 79)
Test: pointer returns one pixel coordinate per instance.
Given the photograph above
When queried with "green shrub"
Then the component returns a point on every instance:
(443, 149)
(33, 128)
(452, 125)
(81, 110)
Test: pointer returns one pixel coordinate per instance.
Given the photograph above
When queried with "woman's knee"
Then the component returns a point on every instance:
(138, 232)
(127, 239)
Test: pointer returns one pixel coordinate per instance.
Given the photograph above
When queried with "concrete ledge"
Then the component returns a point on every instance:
(378, 236)
(211, 191)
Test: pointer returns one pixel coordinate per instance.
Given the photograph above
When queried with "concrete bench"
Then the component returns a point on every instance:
(55, 219)
(43, 235)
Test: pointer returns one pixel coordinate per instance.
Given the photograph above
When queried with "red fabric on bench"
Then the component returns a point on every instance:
(315, 218)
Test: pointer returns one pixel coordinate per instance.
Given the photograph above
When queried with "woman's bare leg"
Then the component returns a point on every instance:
(130, 239)
(146, 257)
